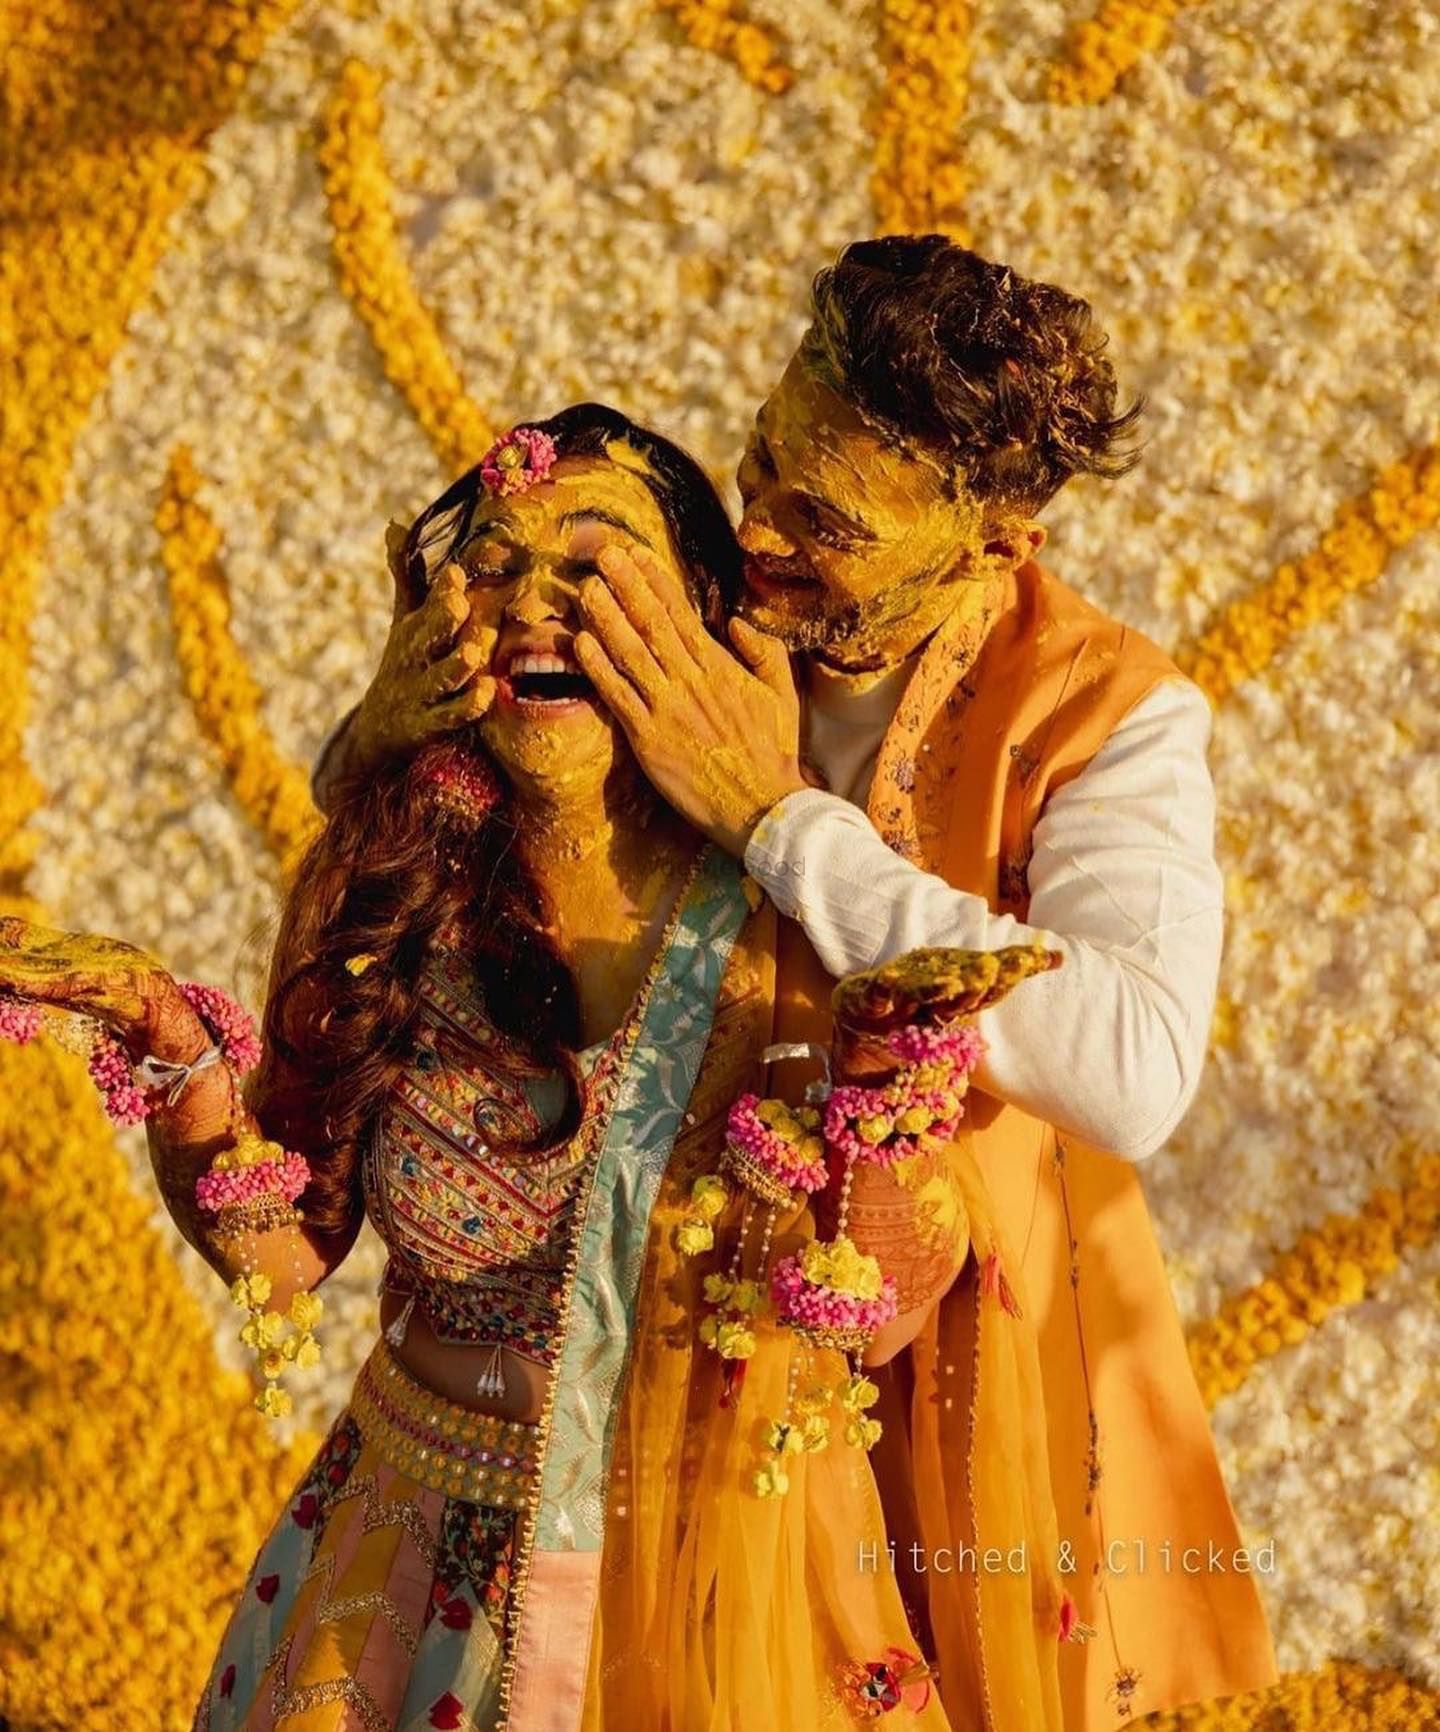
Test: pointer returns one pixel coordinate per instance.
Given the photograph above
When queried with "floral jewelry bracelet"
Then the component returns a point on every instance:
(773, 1151)
(251, 1188)
(830, 1293)
(252, 1185)
(131, 1090)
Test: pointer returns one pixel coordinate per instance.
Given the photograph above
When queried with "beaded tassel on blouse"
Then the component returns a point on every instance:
(492, 1378)
(395, 1330)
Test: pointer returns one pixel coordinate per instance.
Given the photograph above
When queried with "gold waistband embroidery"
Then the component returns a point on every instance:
(445, 1446)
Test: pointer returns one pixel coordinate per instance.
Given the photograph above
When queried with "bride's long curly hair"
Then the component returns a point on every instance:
(374, 882)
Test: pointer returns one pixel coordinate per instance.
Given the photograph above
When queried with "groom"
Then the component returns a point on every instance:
(1002, 764)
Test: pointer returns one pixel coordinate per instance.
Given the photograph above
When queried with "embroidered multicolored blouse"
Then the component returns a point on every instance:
(479, 1236)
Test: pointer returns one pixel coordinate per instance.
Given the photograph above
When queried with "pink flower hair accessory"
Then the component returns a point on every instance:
(524, 457)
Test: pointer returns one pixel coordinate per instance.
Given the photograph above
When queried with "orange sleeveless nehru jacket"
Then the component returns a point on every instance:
(977, 744)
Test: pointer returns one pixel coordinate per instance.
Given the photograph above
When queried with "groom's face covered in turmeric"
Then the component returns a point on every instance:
(857, 545)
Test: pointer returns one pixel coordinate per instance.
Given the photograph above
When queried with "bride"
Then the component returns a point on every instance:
(589, 1476)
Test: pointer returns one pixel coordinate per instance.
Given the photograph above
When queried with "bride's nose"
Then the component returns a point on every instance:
(542, 594)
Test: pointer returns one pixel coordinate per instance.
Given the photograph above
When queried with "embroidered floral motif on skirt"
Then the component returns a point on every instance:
(378, 1602)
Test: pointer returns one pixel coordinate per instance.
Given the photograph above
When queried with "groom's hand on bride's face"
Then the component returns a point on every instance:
(718, 736)
(434, 671)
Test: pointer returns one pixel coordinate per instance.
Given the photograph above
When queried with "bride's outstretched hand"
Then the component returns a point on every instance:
(928, 987)
(118, 984)
(899, 1036)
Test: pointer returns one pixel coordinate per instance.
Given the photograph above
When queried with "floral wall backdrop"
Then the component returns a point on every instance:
(272, 273)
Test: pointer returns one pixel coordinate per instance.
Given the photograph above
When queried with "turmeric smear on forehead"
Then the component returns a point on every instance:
(621, 451)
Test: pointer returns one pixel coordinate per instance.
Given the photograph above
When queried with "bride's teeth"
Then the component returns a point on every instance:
(541, 664)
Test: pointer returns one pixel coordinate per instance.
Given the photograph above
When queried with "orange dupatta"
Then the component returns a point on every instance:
(722, 1611)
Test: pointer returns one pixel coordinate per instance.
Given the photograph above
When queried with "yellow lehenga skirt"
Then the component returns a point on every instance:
(382, 1597)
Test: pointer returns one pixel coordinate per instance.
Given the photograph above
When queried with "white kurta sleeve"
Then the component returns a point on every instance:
(1123, 881)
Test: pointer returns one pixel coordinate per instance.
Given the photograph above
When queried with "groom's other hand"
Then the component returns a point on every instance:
(717, 736)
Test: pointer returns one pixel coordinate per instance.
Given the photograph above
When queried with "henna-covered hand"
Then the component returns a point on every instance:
(911, 1216)
(720, 739)
(433, 675)
(930, 986)
(118, 984)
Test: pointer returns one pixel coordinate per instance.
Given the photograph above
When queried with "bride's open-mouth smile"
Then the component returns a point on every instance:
(543, 680)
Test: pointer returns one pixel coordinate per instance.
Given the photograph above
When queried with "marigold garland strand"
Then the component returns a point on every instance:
(274, 793)
(377, 279)
(1341, 1696)
(1331, 1266)
(101, 149)
(1252, 631)
(919, 183)
(1102, 49)
(720, 27)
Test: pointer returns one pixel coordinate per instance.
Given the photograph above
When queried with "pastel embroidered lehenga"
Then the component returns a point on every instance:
(612, 1566)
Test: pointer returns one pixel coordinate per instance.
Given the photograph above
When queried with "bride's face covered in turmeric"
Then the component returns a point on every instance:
(523, 563)
(855, 549)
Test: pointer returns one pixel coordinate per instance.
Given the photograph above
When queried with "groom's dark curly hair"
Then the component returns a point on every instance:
(1002, 376)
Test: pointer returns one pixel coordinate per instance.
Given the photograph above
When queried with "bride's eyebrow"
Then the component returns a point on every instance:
(596, 515)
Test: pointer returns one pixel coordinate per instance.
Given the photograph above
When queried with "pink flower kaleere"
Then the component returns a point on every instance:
(783, 1161)
(522, 458)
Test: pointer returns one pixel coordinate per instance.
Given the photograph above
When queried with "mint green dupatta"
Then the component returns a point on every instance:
(557, 1580)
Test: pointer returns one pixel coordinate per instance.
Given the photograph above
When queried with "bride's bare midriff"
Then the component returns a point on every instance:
(453, 1371)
